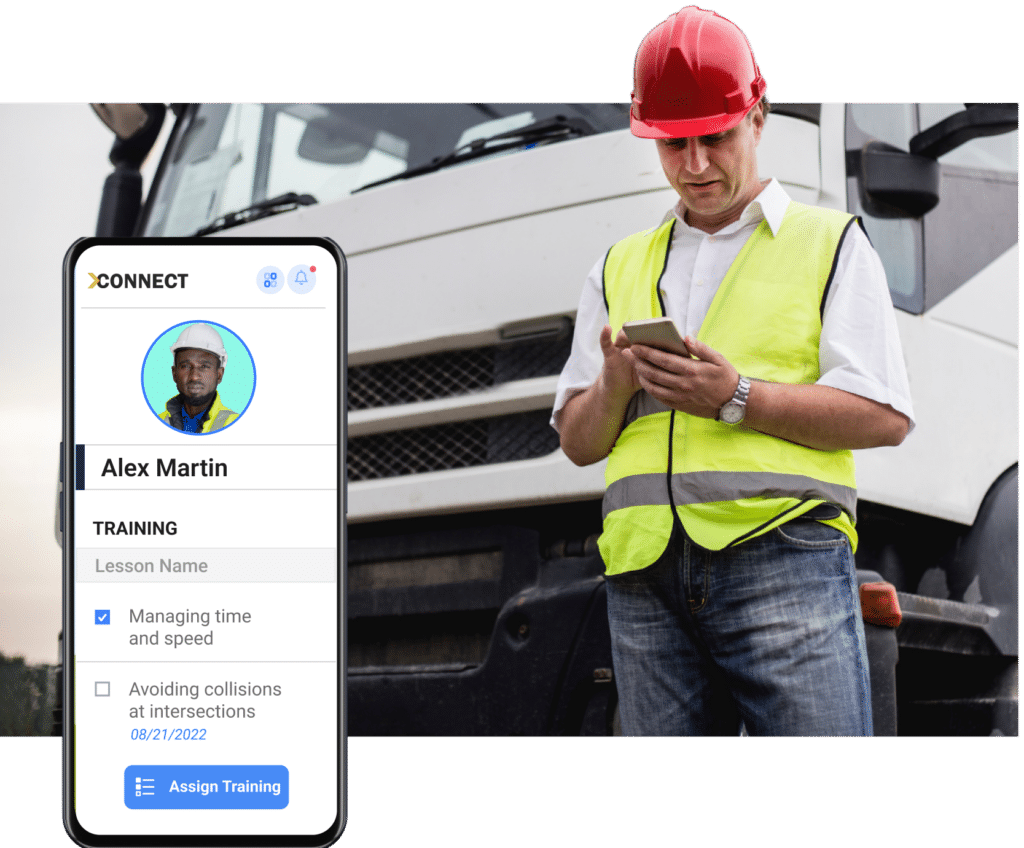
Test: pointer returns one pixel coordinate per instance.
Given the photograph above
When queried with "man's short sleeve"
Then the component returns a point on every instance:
(860, 349)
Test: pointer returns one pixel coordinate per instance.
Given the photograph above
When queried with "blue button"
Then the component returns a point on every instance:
(206, 787)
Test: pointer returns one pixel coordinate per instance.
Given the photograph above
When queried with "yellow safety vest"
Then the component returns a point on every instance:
(218, 416)
(725, 483)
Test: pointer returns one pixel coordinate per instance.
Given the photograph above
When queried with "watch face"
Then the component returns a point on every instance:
(732, 413)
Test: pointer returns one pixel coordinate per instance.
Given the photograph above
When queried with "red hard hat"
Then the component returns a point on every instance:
(695, 74)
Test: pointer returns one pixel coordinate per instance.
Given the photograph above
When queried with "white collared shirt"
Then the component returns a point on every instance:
(859, 349)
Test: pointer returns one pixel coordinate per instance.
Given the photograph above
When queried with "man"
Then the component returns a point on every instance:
(729, 514)
(199, 360)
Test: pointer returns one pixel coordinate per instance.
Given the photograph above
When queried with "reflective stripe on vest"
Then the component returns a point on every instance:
(699, 487)
(726, 484)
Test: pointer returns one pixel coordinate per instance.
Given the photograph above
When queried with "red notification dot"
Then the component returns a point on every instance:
(312, 269)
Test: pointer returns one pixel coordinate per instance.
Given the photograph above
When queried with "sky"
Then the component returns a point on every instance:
(52, 167)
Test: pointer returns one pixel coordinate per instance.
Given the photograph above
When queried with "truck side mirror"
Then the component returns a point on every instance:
(136, 127)
(894, 183)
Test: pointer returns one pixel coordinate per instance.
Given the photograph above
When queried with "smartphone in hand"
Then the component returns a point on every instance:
(656, 332)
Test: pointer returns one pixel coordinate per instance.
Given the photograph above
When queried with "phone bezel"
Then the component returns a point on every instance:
(71, 823)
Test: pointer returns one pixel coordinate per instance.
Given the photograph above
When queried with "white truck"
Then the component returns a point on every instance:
(476, 601)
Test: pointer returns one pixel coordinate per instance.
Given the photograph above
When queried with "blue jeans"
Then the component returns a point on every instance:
(768, 633)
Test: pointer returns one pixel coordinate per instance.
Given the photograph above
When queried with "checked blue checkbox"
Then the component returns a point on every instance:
(103, 616)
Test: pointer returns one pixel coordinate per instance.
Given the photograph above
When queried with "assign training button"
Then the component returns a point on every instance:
(206, 787)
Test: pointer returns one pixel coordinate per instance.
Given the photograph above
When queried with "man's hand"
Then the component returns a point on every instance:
(816, 416)
(699, 386)
(618, 374)
(591, 421)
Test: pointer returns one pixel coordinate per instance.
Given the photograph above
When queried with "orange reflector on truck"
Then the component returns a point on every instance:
(879, 604)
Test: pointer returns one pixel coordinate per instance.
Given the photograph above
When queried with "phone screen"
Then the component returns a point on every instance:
(203, 525)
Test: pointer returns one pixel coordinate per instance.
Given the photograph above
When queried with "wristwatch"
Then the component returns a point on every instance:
(733, 410)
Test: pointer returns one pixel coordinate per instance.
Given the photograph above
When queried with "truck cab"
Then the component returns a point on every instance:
(476, 596)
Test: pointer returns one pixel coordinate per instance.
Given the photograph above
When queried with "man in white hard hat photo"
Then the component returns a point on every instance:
(199, 362)
(730, 503)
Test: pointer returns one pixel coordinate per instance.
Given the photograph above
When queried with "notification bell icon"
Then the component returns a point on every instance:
(300, 278)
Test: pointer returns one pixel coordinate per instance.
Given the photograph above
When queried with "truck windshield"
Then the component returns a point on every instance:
(223, 158)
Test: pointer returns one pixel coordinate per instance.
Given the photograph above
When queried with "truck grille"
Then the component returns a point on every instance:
(454, 372)
(461, 444)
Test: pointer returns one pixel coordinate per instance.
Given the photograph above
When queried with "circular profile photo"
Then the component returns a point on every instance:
(198, 377)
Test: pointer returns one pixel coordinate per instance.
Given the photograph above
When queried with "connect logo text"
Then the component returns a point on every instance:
(138, 281)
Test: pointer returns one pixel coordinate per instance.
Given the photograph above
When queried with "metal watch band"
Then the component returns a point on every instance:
(742, 391)
(737, 402)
